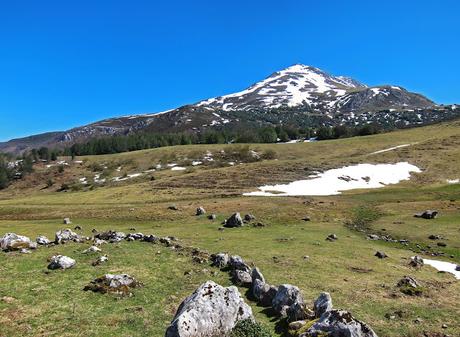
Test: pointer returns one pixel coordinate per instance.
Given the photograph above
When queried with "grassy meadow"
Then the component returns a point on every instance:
(287, 249)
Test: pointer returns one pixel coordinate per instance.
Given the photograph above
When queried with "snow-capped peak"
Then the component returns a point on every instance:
(296, 85)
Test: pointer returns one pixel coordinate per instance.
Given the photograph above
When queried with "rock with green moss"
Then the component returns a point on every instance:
(337, 323)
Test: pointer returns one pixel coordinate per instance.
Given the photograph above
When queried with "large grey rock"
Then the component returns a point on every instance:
(263, 292)
(241, 278)
(65, 235)
(322, 304)
(220, 260)
(61, 262)
(256, 274)
(12, 241)
(42, 240)
(211, 310)
(66, 221)
(286, 296)
(236, 262)
(113, 283)
(339, 323)
(234, 221)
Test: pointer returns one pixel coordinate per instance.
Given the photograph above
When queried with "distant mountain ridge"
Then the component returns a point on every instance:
(300, 95)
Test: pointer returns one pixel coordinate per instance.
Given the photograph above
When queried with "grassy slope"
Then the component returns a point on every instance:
(142, 204)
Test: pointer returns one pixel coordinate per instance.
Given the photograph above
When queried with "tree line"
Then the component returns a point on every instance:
(13, 168)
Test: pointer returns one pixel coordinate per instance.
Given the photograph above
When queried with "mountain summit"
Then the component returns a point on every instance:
(300, 95)
(309, 86)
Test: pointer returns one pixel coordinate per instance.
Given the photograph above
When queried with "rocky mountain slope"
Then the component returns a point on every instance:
(298, 95)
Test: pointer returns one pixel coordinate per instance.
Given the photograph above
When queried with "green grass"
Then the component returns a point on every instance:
(54, 304)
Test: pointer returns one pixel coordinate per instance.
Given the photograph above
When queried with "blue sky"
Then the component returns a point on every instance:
(66, 63)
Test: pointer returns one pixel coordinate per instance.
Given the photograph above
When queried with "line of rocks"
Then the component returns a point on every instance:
(211, 308)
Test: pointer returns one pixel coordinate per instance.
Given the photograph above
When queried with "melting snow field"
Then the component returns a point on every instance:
(334, 181)
(447, 267)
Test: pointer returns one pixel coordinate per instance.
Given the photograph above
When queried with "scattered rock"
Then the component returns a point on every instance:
(67, 221)
(380, 255)
(98, 242)
(307, 218)
(135, 236)
(220, 260)
(100, 260)
(241, 278)
(111, 236)
(409, 286)
(42, 240)
(416, 261)
(92, 249)
(200, 211)
(249, 217)
(173, 208)
(212, 217)
(234, 221)
(61, 262)
(236, 263)
(322, 304)
(12, 241)
(211, 310)
(428, 214)
(66, 235)
(332, 237)
(441, 244)
(263, 292)
(120, 284)
(338, 323)
(373, 237)
(286, 296)
(434, 237)
(256, 274)
(78, 228)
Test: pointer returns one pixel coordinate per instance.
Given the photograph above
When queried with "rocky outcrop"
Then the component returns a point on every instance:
(13, 241)
(61, 262)
(416, 262)
(339, 323)
(211, 310)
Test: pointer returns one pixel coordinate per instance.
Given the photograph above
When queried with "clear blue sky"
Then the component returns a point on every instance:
(66, 63)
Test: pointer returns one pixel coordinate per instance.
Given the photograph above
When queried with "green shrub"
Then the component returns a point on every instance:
(248, 328)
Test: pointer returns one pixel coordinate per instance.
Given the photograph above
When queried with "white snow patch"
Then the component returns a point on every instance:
(178, 168)
(447, 267)
(453, 181)
(333, 182)
(391, 148)
(196, 163)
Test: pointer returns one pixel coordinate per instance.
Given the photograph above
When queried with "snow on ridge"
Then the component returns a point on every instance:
(391, 148)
